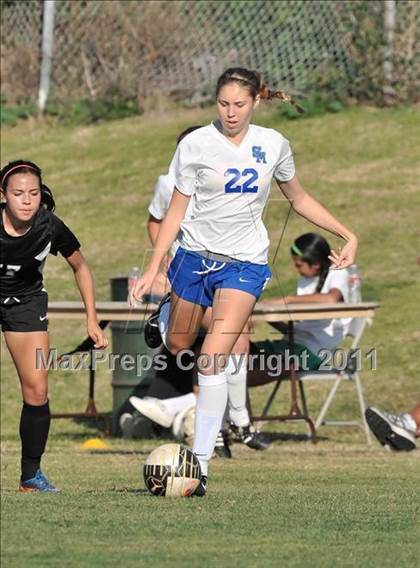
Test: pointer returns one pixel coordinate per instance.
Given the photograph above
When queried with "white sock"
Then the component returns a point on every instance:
(163, 321)
(209, 410)
(179, 403)
(236, 372)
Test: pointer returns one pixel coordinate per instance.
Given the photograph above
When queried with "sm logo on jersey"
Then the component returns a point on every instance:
(258, 154)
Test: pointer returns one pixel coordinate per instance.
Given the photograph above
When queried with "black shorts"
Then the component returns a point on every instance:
(27, 315)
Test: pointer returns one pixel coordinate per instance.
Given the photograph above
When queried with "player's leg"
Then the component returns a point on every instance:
(231, 310)
(35, 416)
(236, 371)
(23, 348)
(237, 412)
(184, 323)
(237, 374)
(236, 408)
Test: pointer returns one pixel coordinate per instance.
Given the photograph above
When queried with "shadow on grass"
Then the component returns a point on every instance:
(289, 437)
(93, 425)
(141, 492)
(118, 452)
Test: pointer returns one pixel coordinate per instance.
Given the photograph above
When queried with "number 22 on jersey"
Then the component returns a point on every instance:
(241, 182)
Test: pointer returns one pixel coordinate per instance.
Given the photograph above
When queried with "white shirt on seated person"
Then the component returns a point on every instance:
(326, 333)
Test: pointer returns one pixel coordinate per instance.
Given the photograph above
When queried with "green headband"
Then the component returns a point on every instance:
(296, 250)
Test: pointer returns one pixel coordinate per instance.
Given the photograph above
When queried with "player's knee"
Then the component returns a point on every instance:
(211, 363)
(177, 343)
(242, 344)
(35, 394)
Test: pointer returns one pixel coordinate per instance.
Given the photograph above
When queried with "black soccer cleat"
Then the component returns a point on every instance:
(201, 488)
(250, 437)
(221, 449)
(152, 335)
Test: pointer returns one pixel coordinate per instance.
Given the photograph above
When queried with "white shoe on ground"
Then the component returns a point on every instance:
(391, 429)
(154, 409)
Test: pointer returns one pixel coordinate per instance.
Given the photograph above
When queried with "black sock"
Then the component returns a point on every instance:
(34, 427)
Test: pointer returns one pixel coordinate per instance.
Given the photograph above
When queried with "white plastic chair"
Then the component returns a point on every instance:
(350, 373)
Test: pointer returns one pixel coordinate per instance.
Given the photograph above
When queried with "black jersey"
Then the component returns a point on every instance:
(22, 259)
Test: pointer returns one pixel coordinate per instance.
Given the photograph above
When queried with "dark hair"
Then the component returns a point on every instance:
(185, 132)
(314, 249)
(27, 167)
(252, 80)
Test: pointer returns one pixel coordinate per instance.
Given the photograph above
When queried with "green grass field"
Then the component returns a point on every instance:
(338, 503)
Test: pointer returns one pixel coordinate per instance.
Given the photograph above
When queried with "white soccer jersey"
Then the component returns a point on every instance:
(328, 333)
(162, 193)
(162, 196)
(229, 186)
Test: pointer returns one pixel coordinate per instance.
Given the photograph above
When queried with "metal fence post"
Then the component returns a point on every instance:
(388, 66)
(47, 53)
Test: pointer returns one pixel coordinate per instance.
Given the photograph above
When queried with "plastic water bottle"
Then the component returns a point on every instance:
(355, 294)
(133, 276)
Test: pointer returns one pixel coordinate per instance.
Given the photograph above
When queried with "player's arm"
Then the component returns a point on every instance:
(313, 211)
(153, 228)
(84, 282)
(169, 229)
(331, 297)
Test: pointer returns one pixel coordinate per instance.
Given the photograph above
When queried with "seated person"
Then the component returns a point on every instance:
(311, 256)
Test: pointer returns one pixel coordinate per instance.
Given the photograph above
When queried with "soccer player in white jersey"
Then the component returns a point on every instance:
(236, 412)
(226, 169)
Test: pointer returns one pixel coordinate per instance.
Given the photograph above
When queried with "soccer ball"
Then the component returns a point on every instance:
(172, 470)
(183, 426)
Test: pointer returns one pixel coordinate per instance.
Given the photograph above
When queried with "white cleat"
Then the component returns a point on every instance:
(391, 429)
(153, 409)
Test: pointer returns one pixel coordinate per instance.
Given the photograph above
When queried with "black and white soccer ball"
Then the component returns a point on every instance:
(172, 470)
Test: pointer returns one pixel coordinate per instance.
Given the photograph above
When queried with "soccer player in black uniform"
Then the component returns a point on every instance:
(29, 231)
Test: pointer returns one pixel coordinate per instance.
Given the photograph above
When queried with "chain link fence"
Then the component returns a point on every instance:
(177, 49)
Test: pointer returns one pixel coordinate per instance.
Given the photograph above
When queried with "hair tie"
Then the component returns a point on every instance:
(15, 168)
(296, 250)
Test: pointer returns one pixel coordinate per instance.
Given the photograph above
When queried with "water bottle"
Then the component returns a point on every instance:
(355, 295)
(133, 276)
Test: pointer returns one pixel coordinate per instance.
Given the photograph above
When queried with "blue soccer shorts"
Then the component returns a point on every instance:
(195, 278)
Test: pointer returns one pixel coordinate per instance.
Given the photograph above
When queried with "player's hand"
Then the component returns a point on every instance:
(346, 256)
(97, 335)
(142, 286)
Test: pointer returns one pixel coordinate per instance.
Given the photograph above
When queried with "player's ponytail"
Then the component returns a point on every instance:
(253, 81)
(27, 167)
(314, 249)
(47, 198)
(268, 95)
